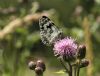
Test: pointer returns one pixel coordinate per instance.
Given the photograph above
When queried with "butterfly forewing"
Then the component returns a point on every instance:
(48, 31)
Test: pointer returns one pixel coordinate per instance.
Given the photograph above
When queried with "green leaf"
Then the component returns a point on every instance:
(60, 72)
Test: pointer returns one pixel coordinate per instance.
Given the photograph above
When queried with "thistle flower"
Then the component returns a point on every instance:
(66, 48)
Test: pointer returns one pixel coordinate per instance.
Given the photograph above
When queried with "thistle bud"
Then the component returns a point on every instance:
(38, 71)
(41, 64)
(84, 63)
(81, 51)
(31, 65)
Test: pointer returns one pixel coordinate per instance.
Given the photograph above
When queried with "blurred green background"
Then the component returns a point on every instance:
(20, 41)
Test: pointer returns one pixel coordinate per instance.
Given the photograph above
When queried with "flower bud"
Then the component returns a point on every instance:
(84, 63)
(38, 70)
(81, 51)
(41, 64)
(31, 65)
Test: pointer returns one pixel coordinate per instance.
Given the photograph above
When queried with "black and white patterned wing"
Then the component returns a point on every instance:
(48, 31)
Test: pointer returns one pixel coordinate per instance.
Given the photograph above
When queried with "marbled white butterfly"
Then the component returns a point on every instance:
(48, 31)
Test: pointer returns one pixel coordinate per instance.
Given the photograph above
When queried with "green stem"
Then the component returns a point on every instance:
(64, 65)
(70, 72)
(78, 70)
(39, 75)
(74, 70)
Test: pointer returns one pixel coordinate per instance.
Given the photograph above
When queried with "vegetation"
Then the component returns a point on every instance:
(20, 39)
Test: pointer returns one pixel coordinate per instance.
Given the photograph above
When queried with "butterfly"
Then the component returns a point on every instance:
(48, 31)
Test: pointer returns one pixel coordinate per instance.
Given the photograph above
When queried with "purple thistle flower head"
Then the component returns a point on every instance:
(66, 48)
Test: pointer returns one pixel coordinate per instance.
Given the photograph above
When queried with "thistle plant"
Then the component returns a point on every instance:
(71, 55)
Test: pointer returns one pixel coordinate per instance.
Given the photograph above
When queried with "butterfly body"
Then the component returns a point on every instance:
(48, 31)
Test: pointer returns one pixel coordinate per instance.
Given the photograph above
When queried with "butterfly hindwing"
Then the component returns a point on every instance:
(48, 31)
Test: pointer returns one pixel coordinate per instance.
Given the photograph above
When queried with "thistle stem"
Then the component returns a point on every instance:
(78, 70)
(71, 71)
(64, 65)
(74, 70)
(39, 75)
